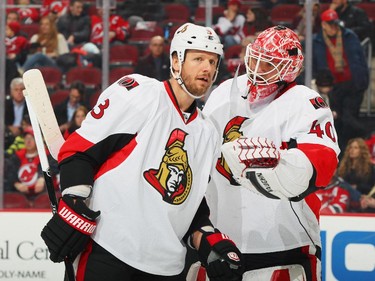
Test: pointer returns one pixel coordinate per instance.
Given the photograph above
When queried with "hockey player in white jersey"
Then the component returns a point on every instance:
(279, 146)
(134, 176)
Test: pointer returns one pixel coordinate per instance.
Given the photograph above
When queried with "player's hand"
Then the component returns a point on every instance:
(220, 256)
(69, 230)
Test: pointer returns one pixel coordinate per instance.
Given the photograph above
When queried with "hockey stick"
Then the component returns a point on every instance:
(44, 107)
(37, 94)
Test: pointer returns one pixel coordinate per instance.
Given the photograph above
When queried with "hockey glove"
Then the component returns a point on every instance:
(220, 256)
(69, 230)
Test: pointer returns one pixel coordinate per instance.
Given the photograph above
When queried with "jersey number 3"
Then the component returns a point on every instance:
(98, 111)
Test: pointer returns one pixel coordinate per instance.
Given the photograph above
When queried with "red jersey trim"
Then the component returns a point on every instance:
(314, 203)
(116, 158)
(171, 95)
(289, 86)
(73, 144)
(323, 159)
(82, 264)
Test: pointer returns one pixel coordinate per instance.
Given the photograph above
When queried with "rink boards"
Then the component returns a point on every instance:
(348, 248)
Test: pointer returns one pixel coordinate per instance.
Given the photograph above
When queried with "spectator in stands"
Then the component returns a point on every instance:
(119, 29)
(19, 141)
(155, 64)
(75, 25)
(78, 116)
(339, 49)
(26, 13)
(257, 20)
(17, 46)
(356, 167)
(299, 22)
(12, 16)
(371, 145)
(334, 198)
(24, 172)
(230, 26)
(65, 110)
(368, 202)
(15, 107)
(353, 17)
(53, 8)
(49, 45)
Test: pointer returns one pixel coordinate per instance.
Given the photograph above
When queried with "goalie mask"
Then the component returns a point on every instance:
(194, 37)
(275, 57)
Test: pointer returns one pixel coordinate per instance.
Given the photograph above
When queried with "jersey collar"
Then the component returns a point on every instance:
(192, 109)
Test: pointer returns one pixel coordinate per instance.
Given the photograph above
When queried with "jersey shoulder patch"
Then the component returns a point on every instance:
(128, 82)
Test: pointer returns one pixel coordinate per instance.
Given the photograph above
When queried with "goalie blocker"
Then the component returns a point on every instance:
(259, 166)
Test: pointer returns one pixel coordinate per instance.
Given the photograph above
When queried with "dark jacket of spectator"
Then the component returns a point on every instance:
(9, 112)
(154, 67)
(356, 19)
(353, 51)
(78, 26)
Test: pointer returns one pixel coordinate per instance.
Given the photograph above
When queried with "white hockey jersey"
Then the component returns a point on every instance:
(153, 167)
(297, 117)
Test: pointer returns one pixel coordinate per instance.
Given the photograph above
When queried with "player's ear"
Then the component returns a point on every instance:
(175, 64)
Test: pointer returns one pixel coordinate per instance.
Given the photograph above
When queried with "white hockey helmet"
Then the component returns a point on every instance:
(280, 47)
(190, 36)
(195, 37)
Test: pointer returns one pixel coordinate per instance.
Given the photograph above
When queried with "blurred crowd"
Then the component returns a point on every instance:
(64, 35)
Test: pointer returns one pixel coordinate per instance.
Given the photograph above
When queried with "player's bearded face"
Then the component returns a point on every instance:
(196, 88)
(198, 71)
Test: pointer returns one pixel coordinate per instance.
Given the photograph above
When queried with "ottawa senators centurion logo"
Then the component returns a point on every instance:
(174, 177)
(231, 132)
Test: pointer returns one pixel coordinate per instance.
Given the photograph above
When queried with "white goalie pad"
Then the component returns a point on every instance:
(294, 272)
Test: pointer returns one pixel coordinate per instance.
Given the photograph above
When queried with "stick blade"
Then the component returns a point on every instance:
(37, 94)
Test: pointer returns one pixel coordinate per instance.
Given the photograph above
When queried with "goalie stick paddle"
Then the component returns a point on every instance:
(44, 161)
(37, 94)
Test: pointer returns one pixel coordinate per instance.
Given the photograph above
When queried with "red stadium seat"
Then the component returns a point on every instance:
(233, 52)
(52, 77)
(41, 202)
(200, 14)
(29, 29)
(59, 96)
(284, 14)
(176, 11)
(142, 37)
(15, 200)
(369, 9)
(117, 72)
(91, 77)
(123, 55)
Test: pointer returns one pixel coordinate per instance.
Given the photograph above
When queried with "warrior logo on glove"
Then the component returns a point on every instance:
(174, 177)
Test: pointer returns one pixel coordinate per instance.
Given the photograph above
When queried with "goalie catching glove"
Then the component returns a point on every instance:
(259, 166)
(220, 256)
(69, 230)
